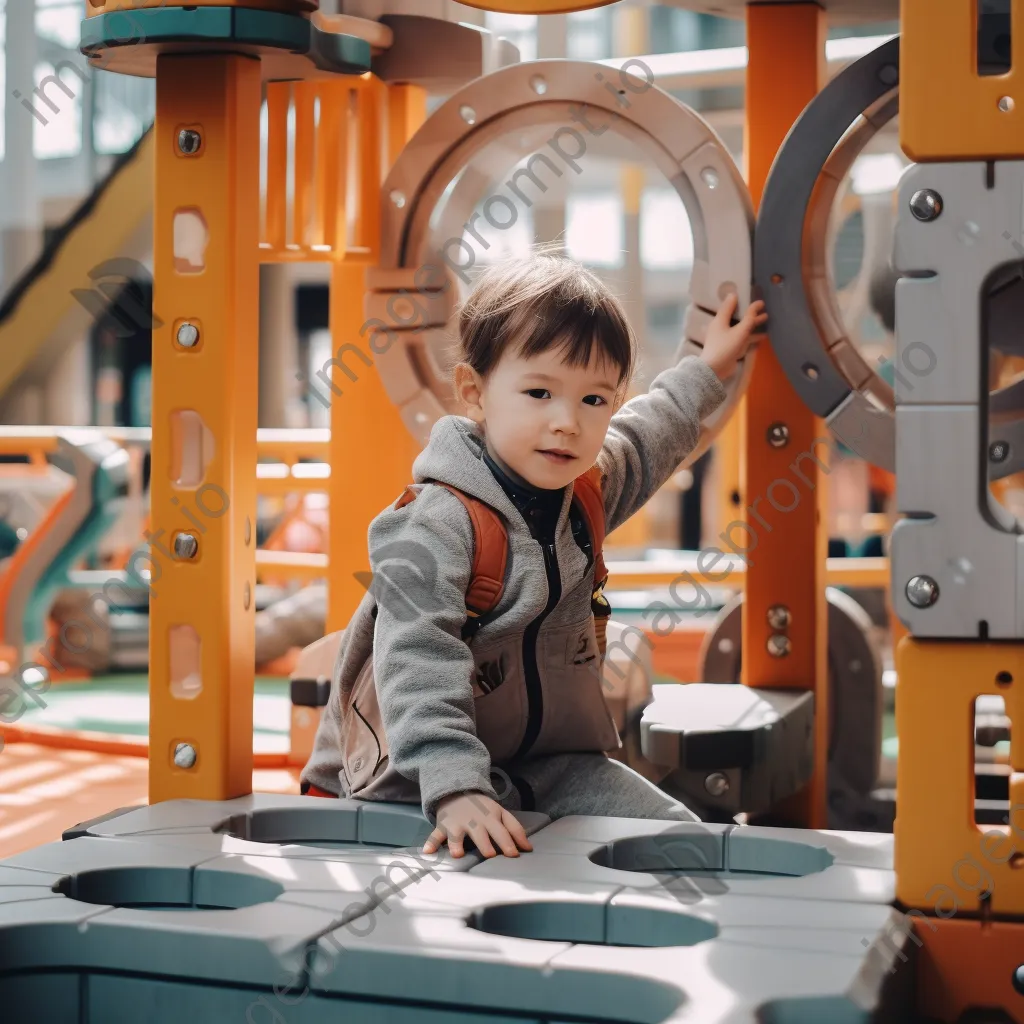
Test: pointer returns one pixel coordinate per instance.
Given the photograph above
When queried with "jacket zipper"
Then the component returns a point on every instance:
(534, 694)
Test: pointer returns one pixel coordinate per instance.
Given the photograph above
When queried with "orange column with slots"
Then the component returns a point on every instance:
(786, 573)
(371, 450)
(962, 881)
(203, 491)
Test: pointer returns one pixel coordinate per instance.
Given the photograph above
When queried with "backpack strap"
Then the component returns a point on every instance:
(490, 556)
(586, 490)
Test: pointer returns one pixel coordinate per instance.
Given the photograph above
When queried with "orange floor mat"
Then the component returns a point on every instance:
(45, 790)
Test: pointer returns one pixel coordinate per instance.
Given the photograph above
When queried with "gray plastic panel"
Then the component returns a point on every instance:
(440, 959)
(959, 545)
(49, 997)
(761, 740)
(837, 868)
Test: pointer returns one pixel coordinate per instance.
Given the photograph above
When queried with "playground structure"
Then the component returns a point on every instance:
(792, 922)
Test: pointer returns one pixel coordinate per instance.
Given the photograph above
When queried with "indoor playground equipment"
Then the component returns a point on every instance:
(220, 903)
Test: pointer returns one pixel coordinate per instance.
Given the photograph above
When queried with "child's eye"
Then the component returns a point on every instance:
(595, 400)
(539, 393)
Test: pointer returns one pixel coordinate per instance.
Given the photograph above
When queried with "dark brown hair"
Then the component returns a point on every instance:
(540, 302)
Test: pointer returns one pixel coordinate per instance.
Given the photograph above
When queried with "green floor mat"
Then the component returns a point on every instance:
(120, 705)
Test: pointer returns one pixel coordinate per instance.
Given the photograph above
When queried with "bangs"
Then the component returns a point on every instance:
(543, 302)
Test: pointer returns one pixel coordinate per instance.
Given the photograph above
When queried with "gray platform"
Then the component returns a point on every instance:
(278, 908)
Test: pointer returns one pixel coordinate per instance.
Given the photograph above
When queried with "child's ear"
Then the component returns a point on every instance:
(469, 391)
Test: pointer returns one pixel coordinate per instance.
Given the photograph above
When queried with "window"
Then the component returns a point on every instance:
(499, 242)
(57, 110)
(589, 35)
(3, 78)
(666, 239)
(124, 106)
(60, 22)
(61, 74)
(519, 29)
(594, 230)
(876, 172)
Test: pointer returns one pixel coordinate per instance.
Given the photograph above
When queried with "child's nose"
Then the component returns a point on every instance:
(565, 420)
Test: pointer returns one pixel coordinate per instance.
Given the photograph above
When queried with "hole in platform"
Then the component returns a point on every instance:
(596, 924)
(149, 888)
(301, 826)
(689, 850)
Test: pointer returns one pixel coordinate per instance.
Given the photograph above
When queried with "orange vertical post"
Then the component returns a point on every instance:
(203, 490)
(371, 450)
(782, 487)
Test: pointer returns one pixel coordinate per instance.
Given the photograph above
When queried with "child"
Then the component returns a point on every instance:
(417, 712)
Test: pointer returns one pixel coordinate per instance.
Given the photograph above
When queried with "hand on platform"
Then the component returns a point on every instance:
(727, 343)
(482, 819)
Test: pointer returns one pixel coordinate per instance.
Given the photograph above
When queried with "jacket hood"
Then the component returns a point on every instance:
(455, 455)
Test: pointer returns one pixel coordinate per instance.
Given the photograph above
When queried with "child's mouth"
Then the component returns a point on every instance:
(557, 457)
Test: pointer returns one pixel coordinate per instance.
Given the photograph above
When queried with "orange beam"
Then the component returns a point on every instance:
(206, 271)
(966, 964)
(786, 68)
(369, 468)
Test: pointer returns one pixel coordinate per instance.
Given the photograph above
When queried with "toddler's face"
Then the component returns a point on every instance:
(545, 420)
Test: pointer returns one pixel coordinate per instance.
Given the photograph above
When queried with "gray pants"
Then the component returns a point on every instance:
(562, 784)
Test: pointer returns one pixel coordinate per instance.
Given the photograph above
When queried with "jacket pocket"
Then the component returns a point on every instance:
(499, 696)
(364, 745)
(576, 715)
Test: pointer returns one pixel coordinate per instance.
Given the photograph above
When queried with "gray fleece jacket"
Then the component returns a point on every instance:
(415, 713)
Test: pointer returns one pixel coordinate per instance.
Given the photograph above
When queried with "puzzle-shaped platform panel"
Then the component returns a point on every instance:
(275, 908)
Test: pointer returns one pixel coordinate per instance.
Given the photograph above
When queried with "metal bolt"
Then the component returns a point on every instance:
(34, 675)
(779, 616)
(922, 591)
(184, 755)
(778, 435)
(779, 645)
(188, 335)
(185, 546)
(926, 204)
(889, 74)
(189, 141)
(717, 784)
(999, 451)
(1018, 979)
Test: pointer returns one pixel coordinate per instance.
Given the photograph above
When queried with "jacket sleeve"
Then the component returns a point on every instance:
(652, 434)
(421, 560)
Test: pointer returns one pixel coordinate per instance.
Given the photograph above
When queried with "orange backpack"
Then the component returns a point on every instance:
(490, 552)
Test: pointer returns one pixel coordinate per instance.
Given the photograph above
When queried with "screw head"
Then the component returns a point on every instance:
(189, 141)
(185, 755)
(922, 591)
(779, 645)
(779, 616)
(717, 784)
(999, 451)
(926, 204)
(34, 675)
(778, 435)
(185, 546)
(188, 335)
(1018, 979)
